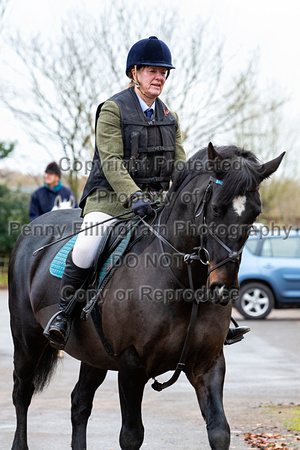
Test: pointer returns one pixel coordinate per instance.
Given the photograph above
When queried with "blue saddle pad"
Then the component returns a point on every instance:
(58, 263)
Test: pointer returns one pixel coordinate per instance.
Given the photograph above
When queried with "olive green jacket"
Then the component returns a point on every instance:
(110, 145)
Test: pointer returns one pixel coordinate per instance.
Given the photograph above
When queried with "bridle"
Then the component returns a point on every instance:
(201, 253)
(233, 256)
(189, 258)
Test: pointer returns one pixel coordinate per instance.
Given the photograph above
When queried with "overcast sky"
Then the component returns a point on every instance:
(270, 25)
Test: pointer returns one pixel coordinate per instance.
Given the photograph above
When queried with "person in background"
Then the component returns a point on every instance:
(43, 199)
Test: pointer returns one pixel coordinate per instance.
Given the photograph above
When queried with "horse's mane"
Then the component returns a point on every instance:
(241, 174)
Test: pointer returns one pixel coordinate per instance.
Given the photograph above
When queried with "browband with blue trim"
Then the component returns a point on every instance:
(215, 180)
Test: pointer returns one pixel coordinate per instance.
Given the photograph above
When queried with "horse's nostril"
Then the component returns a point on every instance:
(218, 293)
(216, 286)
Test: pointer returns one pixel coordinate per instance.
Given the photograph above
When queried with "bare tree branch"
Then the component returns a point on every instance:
(3, 7)
(68, 76)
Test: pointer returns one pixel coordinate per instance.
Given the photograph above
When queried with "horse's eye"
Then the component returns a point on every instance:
(215, 211)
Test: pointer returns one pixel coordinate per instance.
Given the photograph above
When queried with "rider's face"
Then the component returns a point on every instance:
(151, 80)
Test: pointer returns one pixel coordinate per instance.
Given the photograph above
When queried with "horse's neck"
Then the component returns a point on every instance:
(179, 228)
(179, 214)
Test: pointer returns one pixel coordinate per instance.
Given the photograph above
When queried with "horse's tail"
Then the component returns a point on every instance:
(45, 369)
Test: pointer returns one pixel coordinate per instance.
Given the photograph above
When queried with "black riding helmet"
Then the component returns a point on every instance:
(149, 52)
(53, 167)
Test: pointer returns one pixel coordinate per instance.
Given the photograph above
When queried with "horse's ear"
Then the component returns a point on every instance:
(72, 201)
(57, 200)
(212, 154)
(270, 167)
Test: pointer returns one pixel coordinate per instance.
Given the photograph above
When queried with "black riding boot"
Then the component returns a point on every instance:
(73, 279)
(236, 334)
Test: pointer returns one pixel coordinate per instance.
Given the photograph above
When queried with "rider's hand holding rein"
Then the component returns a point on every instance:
(140, 204)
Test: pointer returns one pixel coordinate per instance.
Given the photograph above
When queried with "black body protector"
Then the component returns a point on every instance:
(149, 146)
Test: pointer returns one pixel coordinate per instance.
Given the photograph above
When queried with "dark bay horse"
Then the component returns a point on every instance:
(146, 307)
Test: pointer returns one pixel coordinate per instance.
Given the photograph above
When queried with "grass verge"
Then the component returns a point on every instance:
(3, 280)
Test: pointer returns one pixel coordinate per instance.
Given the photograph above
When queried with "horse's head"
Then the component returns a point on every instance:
(229, 206)
(220, 196)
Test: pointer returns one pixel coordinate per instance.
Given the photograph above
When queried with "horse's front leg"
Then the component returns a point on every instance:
(209, 390)
(90, 378)
(131, 389)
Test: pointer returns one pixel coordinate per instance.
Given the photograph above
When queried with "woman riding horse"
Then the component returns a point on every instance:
(138, 146)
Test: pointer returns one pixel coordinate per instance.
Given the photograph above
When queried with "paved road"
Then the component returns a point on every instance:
(264, 369)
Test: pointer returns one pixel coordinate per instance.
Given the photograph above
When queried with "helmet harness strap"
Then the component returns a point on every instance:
(136, 82)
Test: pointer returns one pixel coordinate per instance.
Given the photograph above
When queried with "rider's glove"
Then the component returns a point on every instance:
(140, 204)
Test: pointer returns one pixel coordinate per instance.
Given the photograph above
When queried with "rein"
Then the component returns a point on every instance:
(188, 259)
(119, 216)
(157, 386)
(80, 231)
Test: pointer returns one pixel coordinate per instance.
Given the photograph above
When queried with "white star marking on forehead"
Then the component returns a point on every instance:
(239, 204)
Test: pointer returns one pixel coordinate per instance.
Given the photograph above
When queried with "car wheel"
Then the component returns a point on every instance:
(256, 300)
